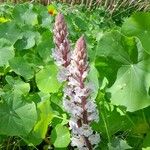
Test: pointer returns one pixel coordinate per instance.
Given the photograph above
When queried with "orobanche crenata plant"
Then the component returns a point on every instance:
(73, 66)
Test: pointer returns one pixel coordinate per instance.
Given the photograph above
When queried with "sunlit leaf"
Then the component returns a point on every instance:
(45, 117)
(60, 136)
(133, 77)
(2, 20)
(46, 79)
(93, 79)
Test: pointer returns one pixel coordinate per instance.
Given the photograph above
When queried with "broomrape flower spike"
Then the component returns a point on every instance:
(81, 108)
(61, 53)
(76, 100)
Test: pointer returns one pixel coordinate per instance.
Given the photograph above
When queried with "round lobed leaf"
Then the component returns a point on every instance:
(46, 79)
(60, 136)
(17, 116)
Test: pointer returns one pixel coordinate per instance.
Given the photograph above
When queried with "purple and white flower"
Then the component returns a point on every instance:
(74, 69)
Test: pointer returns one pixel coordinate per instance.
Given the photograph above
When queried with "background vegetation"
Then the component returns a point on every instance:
(31, 112)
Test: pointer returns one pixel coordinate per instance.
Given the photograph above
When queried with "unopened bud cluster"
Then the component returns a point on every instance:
(76, 101)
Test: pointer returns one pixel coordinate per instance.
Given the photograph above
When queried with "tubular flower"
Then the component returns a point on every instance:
(61, 53)
(77, 100)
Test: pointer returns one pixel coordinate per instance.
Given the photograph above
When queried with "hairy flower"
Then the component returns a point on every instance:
(94, 138)
(81, 108)
(78, 141)
(76, 101)
(61, 53)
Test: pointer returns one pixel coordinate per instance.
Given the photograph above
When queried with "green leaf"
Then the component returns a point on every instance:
(44, 18)
(119, 144)
(6, 51)
(146, 142)
(93, 78)
(21, 67)
(133, 77)
(65, 120)
(27, 41)
(18, 86)
(104, 83)
(45, 117)
(147, 148)
(23, 14)
(1, 92)
(129, 89)
(45, 46)
(17, 116)
(33, 60)
(60, 136)
(46, 79)
(120, 48)
(10, 32)
(139, 25)
(81, 24)
(140, 119)
(110, 121)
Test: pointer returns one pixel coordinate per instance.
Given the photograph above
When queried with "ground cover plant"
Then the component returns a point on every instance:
(32, 109)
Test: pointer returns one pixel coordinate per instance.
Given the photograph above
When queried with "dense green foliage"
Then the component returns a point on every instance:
(30, 96)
